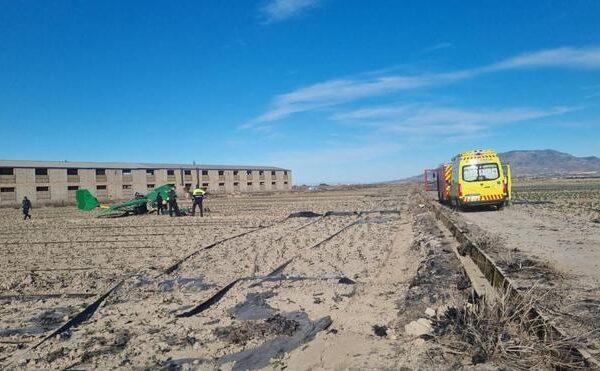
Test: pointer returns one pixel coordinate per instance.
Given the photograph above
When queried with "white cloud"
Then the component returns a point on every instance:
(335, 92)
(279, 10)
(435, 47)
(587, 58)
(382, 112)
(427, 120)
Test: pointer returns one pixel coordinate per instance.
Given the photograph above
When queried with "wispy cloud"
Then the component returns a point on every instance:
(587, 58)
(339, 91)
(279, 10)
(430, 120)
(335, 92)
(435, 47)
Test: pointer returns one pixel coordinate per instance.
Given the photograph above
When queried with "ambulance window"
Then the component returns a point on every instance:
(470, 173)
(488, 172)
(480, 172)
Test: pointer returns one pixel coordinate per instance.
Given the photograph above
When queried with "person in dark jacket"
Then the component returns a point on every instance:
(26, 205)
(159, 204)
(173, 208)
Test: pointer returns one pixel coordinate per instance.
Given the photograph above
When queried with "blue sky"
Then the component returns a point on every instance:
(336, 90)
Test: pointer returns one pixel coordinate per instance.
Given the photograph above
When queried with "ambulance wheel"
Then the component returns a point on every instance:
(500, 206)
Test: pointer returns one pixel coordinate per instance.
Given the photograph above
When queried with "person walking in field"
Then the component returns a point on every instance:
(173, 208)
(26, 205)
(159, 204)
(198, 195)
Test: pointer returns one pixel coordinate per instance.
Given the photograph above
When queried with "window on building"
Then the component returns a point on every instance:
(262, 183)
(8, 194)
(100, 171)
(272, 173)
(204, 172)
(205, 185)
(248, 172)
(41, 171)
(170, 172)
(236, 184)
(285, 172)
(149, 171)
(7, 171)
(249, 183)
(101, 188)
(42, 193)
(273, 183)
(235, 172)
(187, 187)
(221, 184)
(72, 188)
(126, 171)
(221, 172)
(150, 186)
(285, 183)
(261, 172)
(127, 186)
(187, 172)
(72, 171)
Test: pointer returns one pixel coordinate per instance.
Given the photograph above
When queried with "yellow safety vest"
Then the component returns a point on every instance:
(198, 192)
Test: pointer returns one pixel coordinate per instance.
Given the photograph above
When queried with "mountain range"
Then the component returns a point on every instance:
(546, 162)
(549, 162)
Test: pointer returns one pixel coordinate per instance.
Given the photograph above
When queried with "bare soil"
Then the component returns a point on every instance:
(310, 280)
(548, 242)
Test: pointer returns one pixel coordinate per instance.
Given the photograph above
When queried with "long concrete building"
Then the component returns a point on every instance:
(56, 182)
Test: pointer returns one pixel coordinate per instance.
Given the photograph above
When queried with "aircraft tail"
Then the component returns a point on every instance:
(85, 200)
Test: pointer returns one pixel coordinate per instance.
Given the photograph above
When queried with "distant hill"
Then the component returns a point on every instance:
(549, 162)
(545, 162)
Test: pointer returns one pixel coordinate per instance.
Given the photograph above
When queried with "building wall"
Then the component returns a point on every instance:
(117, 186)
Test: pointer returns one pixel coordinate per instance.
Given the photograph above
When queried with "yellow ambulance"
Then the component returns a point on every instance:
(479, 178)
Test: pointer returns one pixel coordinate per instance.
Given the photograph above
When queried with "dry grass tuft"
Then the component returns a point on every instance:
(488, 242)
(505, 332)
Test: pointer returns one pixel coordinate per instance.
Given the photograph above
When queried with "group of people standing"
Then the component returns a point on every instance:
(173, 207)
(197, 195)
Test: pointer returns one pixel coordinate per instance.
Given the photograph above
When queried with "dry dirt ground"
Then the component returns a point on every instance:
(347, 278)
(251, 285)
(548, 241)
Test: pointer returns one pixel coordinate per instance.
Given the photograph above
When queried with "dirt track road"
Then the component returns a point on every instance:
(553, 252)
(568, 243)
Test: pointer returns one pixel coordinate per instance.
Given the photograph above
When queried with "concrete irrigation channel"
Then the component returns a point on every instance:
(542, 324)
(350, 277)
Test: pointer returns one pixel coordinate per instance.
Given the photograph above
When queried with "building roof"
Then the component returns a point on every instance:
(126, 165)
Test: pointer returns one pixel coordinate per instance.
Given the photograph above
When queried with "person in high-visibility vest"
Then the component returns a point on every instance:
(198, 195)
